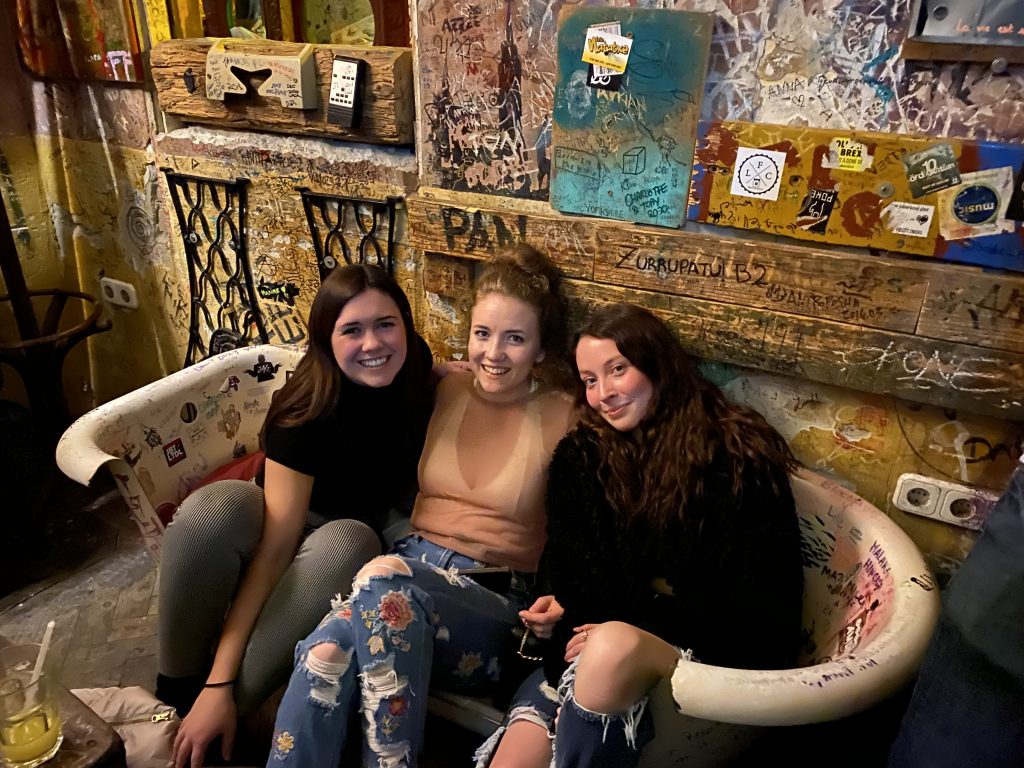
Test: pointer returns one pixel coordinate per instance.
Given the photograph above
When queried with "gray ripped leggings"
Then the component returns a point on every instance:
(206, 549)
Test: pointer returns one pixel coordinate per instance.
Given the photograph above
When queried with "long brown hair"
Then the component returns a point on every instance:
(316, 384)
(654, 471)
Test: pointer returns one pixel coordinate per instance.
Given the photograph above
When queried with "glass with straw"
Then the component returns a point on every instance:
(30, 732)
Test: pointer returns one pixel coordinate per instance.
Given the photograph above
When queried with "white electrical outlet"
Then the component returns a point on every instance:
(119, 293)
(917, 494)
(952, 503)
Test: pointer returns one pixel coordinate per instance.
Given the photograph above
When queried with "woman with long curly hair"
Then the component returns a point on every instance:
(670, 518)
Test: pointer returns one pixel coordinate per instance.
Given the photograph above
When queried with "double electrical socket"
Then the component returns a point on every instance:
(118, 293)
(942, 500)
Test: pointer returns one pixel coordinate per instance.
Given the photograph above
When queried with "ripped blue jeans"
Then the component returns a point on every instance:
(584, 739)
(419, 625)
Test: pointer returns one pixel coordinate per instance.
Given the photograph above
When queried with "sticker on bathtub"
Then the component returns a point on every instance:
(263, 369)
(174, 452)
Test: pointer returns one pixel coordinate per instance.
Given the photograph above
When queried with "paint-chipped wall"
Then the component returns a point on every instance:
(486, 88)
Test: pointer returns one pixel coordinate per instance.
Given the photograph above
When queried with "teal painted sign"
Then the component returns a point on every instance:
(623, 147)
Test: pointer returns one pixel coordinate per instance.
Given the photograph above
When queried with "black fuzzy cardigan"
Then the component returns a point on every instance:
(733, 564)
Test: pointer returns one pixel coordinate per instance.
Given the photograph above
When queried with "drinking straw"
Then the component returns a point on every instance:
(43, 648)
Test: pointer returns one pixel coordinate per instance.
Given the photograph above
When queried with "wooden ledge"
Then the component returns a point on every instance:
(939, 333)
(179, 73)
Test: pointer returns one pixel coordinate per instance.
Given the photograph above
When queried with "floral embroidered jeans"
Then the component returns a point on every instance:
(422, 624)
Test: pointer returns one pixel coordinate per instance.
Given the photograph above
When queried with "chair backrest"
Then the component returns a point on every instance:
(162, 439)
(869, 609)
(849, 581)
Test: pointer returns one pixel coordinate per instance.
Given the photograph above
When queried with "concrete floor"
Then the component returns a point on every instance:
(84, 566)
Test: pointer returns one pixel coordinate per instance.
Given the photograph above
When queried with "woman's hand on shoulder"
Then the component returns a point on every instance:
(441, 370)
(541, 617)
(211, 716)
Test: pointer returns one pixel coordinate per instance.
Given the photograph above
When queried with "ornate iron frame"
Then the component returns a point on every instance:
(329, 235)
(212, 274)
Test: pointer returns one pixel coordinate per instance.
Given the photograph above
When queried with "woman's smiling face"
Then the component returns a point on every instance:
(369, 340)
(504, 345)
(615, 388)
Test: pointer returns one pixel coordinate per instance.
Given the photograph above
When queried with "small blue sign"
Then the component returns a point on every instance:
(976, 204)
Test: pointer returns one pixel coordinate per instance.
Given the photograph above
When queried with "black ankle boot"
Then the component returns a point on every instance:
(179, 692)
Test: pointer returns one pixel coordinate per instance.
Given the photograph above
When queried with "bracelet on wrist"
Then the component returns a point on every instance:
(222, 684)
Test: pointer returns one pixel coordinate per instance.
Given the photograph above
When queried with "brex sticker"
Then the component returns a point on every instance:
(603, 49)
(847, 155)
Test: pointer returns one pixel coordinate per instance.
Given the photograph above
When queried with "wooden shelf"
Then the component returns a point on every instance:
(387, 117)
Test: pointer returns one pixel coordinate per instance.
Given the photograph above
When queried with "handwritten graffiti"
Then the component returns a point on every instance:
(483, 231)
(919, 370)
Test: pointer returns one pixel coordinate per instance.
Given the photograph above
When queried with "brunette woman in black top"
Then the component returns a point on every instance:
(256, 566)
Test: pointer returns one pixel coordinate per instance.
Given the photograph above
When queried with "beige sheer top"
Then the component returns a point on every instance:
(483, 472)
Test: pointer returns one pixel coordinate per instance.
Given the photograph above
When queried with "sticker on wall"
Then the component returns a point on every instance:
(605, 49)
(1015, 210)
(931, 170)
(847, 155)
(604, 77)
(174, 452)
(758, 173)
(977, 208)
(610, 82)
(278, 290)
(815, 210)
(910, 219)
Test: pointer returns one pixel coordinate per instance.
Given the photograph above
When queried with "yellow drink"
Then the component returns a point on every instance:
(30, 738)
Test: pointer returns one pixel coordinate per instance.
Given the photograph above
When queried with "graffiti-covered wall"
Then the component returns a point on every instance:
(487, 78)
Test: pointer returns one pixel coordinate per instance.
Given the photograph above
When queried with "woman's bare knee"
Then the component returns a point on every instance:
(330, 653)
(524, 745)
(385, 565)
(618, 665)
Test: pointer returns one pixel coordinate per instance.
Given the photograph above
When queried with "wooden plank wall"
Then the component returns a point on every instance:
(944, 334)
(387, 116)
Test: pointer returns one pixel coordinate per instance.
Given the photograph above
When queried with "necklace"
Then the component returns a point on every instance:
(534, 386)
